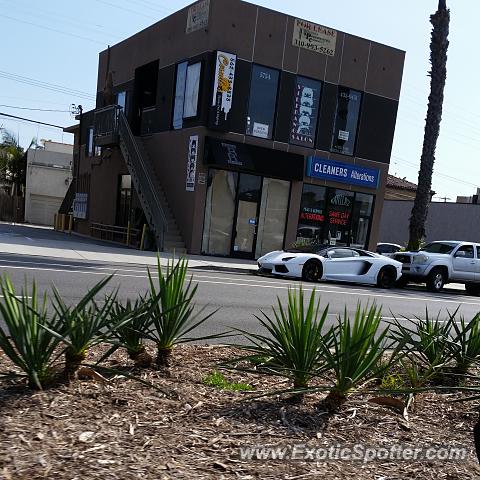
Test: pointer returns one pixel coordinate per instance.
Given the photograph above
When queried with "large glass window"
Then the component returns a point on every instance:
(334, 217)
(273, 215)
(263, 99)
(192, 86)
(362, 211)
(312, 215)
(122, 100)
(346, 120)
(306, 103)
(219, 212)
(179, 95)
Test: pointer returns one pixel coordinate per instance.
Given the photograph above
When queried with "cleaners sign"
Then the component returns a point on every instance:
(342, 172)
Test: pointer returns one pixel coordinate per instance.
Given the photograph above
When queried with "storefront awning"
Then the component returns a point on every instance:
(253, 159)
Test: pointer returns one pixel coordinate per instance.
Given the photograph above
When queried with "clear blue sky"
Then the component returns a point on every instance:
(57, 42)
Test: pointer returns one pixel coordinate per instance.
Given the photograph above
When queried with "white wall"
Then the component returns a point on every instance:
(47, 180)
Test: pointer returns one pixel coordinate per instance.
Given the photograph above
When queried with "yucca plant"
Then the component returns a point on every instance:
(29, 346)
(464, 346)
(293, 344)
(427, 341)
(173, 316)
(134, 319)
(83, 325)
(357, 353)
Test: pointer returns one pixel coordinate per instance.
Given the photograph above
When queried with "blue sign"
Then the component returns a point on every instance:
(342, 172)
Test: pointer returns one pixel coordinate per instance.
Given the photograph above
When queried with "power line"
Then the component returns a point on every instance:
(29, 120)
(118, 7)
(35, 109)
(45, 85)
(54, 30)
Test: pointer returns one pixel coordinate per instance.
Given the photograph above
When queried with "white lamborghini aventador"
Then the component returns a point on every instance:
(333, 263)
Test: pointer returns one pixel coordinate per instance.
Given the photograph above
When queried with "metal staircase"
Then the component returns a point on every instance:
(152, 196)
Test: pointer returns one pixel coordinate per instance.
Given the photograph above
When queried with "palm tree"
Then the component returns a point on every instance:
(13, 162)
(438, 58)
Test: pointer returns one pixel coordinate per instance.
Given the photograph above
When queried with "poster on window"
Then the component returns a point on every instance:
(179, 95)
(316, 38)
(306, 103)
(80, 203)
(198, 16)
(192, 163)
(223, 86)
(192, 86)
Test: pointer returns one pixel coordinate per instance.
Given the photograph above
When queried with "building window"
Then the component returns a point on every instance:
(312, 215)
(186, 92)
(346, 120)
(124, 200)
(122, 100)
(306, 103)
(263, 99)
(192, 87)
(90, 141)
(334, 217)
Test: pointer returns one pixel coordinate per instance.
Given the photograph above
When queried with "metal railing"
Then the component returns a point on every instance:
(143, 177)
(106, 120)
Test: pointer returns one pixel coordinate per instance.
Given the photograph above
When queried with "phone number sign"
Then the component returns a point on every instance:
(316, 38)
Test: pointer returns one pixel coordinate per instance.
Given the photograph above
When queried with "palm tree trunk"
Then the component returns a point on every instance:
(438, 58)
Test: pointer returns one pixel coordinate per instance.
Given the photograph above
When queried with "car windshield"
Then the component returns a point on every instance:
(439, 247)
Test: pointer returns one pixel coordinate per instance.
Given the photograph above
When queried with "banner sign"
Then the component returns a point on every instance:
(342, 172)
(305, 112)
(316, 38)
(192, 163)
(198, 16)
(223, 86)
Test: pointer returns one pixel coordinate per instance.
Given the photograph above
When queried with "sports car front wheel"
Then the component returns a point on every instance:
(312, 271)
(386, 277)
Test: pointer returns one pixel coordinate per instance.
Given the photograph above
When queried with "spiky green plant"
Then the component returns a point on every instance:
(134, 319)
(29, 346)
(173, 316)
(293, 343)
(356, 353)
(84, 324)
(427, 341)
(464, 346)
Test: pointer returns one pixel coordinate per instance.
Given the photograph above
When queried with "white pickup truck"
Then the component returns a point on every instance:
(438, 263)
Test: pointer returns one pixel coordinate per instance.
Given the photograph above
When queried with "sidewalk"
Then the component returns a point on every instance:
(22, 239)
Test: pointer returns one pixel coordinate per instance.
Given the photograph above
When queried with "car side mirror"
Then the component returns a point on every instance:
(461, 253)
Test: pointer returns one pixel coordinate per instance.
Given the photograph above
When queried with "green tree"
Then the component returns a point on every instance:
(13, 162)
(438, 74)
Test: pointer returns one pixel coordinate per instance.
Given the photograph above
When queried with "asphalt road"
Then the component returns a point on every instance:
(239, 296)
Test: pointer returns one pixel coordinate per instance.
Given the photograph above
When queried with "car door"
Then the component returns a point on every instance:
(477, 264)
(464, 264)
(342, 264)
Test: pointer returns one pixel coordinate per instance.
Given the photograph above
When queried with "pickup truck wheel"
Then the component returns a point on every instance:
(386, 277)
(472, 289)
(312, 271)
(436, 279)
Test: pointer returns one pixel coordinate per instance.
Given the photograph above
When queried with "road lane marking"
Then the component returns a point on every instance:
(324, 289)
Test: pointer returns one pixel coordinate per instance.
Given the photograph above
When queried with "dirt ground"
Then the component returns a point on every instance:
(124, 430)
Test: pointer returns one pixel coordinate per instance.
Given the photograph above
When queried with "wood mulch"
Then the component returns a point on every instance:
(124, 430)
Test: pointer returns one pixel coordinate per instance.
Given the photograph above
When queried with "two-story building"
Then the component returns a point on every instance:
(233, 130)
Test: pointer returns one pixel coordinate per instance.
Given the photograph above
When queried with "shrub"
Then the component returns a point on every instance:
(173, 316)
(217, 380)
(464, 346)
(292, 347)
(29, 346)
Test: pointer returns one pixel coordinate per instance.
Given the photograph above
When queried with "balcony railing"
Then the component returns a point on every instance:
(106, 125)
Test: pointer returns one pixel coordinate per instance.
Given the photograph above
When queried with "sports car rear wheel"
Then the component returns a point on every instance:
(386, 277)
(312, 271)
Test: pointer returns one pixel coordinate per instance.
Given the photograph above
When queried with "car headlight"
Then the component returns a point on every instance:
(421, 259)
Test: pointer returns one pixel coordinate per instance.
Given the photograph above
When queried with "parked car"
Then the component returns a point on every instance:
(388, 249)
(441, 262)
(333, 263)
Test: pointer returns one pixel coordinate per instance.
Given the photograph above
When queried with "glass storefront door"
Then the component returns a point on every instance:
(245, 214)
(249, 190)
